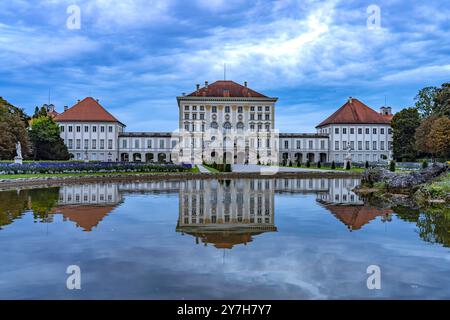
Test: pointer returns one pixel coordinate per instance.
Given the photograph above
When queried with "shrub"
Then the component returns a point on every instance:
(319, 165)
(333, 165)
(299, 164)
(424, 164)
(308, 164)
(290, 163)
(392, 166)
(366, 165)
(348, 166)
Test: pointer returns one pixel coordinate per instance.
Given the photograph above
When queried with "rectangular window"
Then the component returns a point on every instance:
(259, 108)
(344, 130)
(239, 109)
(202, 108)
(374, 145)
(86, 129)
(136, 144)
(344, 145)
(186, 108)
(359, 130)
(70, 128)
(186, 116)
(336, 145)
(252, 108)
(94, 144)
(367, 145)
(124, 144)
(259, 116)
(78, 143)
(390, 145)
(382, 145)
(311, 144)
(352, 145)
(149, 144)
(161, 144)
(202, 116)
(194, 108)
(252, 116)
(298, 142)
(70, 143)
(78, 128)
(86, 143)
(336, 130)
(367, 130)
(359, 145)
(227, 109)
(322, 144)
(94, 129)
(102, 129)
(382, 131)
(374, 130)
(61, 128)
(214, 109)
(102, 143)
(267, 108)
(194, 116)
(390, 131)
(352, 130)
(110, 129)
(110, 144)
(267, 116)
(286, 144)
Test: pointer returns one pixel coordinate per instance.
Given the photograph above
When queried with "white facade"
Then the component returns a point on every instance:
(94, 141)
(368, 142)
(237, 127)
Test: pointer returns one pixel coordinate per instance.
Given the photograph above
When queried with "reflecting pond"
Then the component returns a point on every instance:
(212, 239)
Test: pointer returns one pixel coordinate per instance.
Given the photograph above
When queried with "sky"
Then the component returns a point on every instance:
(136, 56)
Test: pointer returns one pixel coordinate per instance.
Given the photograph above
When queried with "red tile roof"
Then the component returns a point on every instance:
(87, 109)
(86, 217)
(355, 217)
(355, 112)
(226, 88)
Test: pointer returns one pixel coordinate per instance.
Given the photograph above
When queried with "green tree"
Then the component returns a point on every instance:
(440, 137)
(46, 140)
(426, 102)
(12, 129)
(404, 125)
(442, 100)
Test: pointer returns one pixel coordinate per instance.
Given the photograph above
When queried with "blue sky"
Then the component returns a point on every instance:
(136, 56)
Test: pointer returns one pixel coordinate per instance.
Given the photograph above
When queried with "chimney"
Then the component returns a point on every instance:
(78, 101)
(350, 99)
(245, 84)
(184, 94)
(65, 108)
(206, 84)
(198, 87)
(97, 100)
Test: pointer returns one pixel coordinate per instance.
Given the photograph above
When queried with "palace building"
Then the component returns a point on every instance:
(227, 122)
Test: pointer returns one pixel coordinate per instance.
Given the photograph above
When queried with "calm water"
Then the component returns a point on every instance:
(249, 239)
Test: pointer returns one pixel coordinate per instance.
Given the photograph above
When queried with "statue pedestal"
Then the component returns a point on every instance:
(18, 160)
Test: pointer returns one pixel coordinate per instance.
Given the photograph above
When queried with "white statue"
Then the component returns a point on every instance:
(18, 159)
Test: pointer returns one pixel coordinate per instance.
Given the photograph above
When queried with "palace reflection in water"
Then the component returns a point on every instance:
(223, 213)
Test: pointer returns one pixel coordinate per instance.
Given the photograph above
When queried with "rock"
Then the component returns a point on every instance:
(402, 182)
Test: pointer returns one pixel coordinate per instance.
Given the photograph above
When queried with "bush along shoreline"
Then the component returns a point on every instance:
(429, 186)
(90, 167)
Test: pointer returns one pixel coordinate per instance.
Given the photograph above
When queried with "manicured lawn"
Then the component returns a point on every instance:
(44, 175)
(329, 168)
(211, 169)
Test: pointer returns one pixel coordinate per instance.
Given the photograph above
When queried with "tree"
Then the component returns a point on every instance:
(348, 166)
(440, 137)
(404, 125)
(425, 101)
(46, 140)
(39, 112)
(422, 135)
(392, 166)
(12, 129)
(442, 100)
(333, 165)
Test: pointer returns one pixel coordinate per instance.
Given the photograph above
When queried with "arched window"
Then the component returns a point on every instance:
(214, 125)
(240, 126)
(227, 125)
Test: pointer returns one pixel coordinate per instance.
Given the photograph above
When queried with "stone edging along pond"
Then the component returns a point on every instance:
(5, 183)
